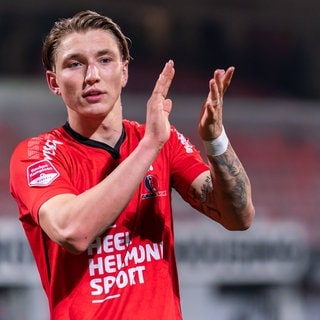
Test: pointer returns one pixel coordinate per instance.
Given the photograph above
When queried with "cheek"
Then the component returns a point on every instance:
(122, 80)
(117, 76)
(69, 95)
(68, 87)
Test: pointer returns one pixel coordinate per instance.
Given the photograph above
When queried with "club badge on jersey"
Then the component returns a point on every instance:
(41, 173)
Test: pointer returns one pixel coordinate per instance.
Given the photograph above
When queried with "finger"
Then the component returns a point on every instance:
(214, 92)
(222, 79)
(218, 78)
(165, 79)
(227, 78)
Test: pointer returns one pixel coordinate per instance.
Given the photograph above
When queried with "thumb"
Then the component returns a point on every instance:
(167, 105)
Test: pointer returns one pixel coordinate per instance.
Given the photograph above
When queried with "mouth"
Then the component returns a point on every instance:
(93, 96)
(92, 93)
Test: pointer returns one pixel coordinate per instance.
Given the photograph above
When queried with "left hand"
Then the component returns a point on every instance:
(210, 122)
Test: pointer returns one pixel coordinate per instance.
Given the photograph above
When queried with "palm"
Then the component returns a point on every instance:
(210, 122)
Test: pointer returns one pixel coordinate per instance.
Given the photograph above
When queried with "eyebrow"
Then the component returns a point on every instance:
(98, 54)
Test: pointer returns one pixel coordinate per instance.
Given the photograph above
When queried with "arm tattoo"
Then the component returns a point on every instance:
(206, 189)
(230, 185)
(232, 178)
(204, 200)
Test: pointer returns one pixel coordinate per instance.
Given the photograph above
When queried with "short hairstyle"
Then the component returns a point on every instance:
(80, 22)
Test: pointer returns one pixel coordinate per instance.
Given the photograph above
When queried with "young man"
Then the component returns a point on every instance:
(94, 194)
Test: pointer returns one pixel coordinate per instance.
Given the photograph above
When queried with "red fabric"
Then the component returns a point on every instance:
(130, 271)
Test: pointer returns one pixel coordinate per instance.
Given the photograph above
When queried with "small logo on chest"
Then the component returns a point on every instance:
(151, 184)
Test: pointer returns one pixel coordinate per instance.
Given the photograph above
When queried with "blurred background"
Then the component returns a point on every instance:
(272, 116)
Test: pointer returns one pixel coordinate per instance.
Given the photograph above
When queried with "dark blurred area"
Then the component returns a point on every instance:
(273, 45)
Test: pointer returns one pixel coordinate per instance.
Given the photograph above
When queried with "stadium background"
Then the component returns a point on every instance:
(272, 115)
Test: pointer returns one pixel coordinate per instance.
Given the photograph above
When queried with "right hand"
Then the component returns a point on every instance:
(159, 108)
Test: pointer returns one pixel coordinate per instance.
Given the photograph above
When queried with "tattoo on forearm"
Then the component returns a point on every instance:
(206, 189)
(229, 169)
(230, 184)
(205, 198)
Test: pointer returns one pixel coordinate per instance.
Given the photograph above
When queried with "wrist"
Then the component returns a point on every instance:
(216, 146)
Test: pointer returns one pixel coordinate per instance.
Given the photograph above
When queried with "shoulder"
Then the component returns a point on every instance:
(133, 125)
(37, 146)
(178, 138)
(134, 128)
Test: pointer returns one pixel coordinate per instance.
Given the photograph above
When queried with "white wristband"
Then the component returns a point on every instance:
(217, 146)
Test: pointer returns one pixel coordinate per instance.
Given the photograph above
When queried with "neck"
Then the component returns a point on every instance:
(107, 131)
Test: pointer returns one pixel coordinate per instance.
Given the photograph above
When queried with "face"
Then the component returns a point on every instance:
(89, 74)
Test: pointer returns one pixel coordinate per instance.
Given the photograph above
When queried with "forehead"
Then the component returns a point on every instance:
(87, 42)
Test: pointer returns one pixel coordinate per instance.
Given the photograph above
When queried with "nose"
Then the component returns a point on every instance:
(92, 74)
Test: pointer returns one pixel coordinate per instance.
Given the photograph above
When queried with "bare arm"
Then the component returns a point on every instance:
(228, 199)
(74, 221)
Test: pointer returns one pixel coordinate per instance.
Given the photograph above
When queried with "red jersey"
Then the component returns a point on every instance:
(129, 272)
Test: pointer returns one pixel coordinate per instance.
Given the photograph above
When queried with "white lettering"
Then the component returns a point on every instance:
(108, 243)
(185, 142)
(130, 277)
(94, 284)
(133, 255)
(122, 279)
(156, 252)
(49, 149)
(110, 263)
(121, 240)
(95, 266)
(116, 263)
(95, 245)
(108, 283)
(133, 271)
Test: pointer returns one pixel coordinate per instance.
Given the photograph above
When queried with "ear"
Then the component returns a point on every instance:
(52, 82)
(125, 73)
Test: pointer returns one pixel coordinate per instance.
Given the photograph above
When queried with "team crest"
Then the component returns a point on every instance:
(151, 184)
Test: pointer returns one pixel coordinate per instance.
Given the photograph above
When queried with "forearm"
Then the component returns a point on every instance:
(82, 218)
(231, 191)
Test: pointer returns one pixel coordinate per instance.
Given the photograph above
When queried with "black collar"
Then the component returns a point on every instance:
(115, 152)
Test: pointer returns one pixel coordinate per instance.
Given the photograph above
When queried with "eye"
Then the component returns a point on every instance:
(74, 64)
(105, 60)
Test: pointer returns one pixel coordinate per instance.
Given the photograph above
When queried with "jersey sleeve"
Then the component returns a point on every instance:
(186, 163)
(35, 178)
